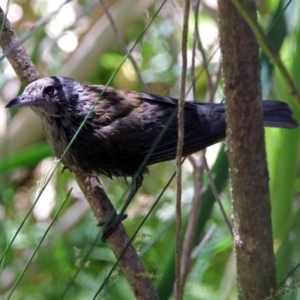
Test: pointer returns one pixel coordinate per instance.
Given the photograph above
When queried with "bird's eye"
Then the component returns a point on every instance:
(49, 90)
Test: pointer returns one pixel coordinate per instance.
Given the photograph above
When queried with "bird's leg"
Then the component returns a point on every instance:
(115, 220)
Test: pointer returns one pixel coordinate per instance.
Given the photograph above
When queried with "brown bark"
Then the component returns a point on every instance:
(91, 187)
(246, 152)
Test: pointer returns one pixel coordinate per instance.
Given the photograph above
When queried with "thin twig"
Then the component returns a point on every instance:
(178, 293)
(265, 44)
(203, 242)
(197, 39)
(283, 281)
(198, 173)
(216, 195)
(198, 165)
(123, 44)
(30, 31)
(215, 80)
(39, 244)
(195, 6)
(189, 237)
(200, 73)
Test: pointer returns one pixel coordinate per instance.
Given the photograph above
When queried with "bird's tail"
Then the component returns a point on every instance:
(278, 114)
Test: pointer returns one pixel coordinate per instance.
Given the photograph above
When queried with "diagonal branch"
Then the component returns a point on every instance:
(267, 47)
(123, 44)
(90, 186)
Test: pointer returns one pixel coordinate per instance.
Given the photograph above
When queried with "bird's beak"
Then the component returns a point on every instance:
(20, 101)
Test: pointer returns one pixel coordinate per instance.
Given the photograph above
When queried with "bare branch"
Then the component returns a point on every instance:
(17, 57)
(189, 238)
(216, 195)
(130, 261)
(90, 186)
(28, 33)
(197, 40)
(203, 242)
(178, 292)
(123, 44)
(267, 47)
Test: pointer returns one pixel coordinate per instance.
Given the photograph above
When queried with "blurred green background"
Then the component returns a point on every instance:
(78, 42)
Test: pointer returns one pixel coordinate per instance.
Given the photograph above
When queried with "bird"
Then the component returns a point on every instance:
(125, 131)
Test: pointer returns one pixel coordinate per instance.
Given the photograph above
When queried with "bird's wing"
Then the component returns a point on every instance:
(131, 127)
(204, 125)
(155, 127)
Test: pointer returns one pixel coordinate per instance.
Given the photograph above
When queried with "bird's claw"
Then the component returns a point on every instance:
(65, 168)
(111, 225)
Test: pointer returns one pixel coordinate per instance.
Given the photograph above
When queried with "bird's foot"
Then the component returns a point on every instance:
(110, 225)
(65, 168)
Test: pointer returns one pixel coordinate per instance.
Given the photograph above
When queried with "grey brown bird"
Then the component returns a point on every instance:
(126, 131)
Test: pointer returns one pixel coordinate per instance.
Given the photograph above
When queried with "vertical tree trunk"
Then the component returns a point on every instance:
(246, 152)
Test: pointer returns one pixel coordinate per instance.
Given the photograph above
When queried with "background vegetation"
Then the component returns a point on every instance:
(78, 41)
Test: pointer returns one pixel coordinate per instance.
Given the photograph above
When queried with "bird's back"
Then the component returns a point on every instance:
(128, 130)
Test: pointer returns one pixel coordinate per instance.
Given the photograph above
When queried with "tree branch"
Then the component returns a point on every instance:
(180, 115)
(90, 186)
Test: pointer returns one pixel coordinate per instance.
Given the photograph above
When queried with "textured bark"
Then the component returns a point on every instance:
(91, 187)
(246, 152)
(119, 242)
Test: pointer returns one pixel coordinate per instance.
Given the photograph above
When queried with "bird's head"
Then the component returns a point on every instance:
(51, 96)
